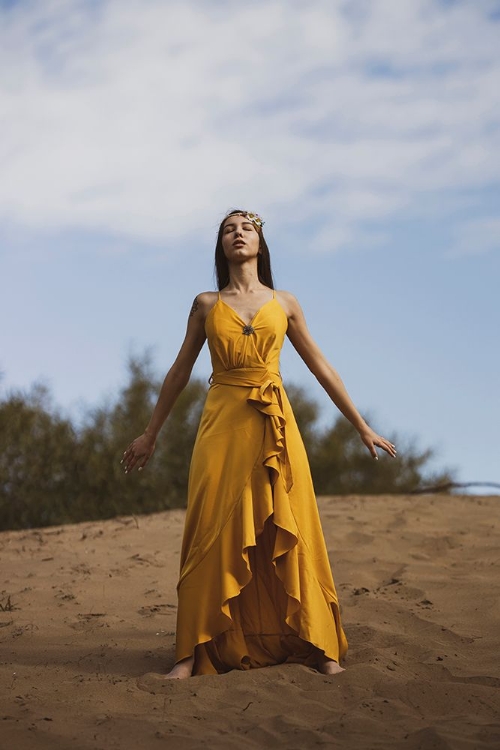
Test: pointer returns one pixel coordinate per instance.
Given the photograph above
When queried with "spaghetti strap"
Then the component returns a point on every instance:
(274, 293)
(218, 295)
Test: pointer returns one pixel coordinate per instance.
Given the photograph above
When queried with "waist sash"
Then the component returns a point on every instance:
(267, 397)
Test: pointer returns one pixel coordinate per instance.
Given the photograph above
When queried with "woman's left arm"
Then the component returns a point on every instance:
(327, 376)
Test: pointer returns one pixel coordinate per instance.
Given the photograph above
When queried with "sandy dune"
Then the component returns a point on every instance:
(90, 608)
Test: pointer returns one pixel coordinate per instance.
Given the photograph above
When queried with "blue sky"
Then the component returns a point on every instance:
(366, 134)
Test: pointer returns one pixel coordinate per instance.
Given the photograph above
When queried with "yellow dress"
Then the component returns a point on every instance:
(255, 585)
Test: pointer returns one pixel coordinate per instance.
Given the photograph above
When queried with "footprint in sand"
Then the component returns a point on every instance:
(358, 537)
(89, 621)
(155, 609)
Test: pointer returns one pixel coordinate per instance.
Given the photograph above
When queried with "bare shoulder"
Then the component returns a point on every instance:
(289, 303)
(202, 304)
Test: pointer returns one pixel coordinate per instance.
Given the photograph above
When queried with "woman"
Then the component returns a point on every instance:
(255, 585)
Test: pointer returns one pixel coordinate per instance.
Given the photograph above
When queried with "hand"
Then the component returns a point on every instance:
(371, 439)
(138, 453)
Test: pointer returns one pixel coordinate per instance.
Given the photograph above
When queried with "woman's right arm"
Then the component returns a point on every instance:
(141, 449)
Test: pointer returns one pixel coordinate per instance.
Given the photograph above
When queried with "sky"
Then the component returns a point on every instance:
(365, 133)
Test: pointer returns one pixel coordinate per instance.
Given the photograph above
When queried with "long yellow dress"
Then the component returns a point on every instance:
(255, 585)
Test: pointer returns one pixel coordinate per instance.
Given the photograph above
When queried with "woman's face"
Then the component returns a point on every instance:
(240, 239)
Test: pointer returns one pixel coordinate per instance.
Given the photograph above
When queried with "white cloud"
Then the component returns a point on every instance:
(139, 119)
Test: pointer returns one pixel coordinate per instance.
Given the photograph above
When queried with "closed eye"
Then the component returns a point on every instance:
(231, 227)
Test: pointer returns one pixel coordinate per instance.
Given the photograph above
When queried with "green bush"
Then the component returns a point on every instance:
(52, 472)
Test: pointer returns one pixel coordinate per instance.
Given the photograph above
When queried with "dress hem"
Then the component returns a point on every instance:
(224, 608)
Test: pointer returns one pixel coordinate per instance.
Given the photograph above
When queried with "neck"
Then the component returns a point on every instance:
(244, 278)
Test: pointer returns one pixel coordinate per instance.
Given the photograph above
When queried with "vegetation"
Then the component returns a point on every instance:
(53, 472)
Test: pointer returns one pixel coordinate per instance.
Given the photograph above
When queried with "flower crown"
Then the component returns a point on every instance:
(254, 218)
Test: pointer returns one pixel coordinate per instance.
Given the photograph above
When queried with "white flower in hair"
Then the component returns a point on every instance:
(255, 219)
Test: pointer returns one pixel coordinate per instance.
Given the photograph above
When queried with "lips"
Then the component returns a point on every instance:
(238, 242)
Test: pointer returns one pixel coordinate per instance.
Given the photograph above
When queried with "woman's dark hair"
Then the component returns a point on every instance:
(263, 260)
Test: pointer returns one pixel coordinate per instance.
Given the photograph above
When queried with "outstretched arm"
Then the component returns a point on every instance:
(327, 376)
(141, 449)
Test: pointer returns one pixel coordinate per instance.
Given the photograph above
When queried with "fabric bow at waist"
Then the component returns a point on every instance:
(266, 398)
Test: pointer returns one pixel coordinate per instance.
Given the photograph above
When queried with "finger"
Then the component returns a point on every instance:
(126, 453)
(129, 466)
(390, 448)
(387, 446)
(131, 462)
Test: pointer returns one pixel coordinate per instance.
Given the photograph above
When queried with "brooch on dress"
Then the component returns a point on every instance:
(247, 330)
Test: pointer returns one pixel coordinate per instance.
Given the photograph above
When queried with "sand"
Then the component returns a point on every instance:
(93, 610)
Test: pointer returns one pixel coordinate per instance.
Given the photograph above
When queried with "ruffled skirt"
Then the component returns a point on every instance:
(255, 586)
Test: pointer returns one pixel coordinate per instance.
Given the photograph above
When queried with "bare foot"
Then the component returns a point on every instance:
(157, 683)
(329, 666)
(181, 670)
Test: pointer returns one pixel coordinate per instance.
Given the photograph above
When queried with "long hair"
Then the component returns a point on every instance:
(263, 259)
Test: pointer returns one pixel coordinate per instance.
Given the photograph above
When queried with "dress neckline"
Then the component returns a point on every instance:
(245, 323)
